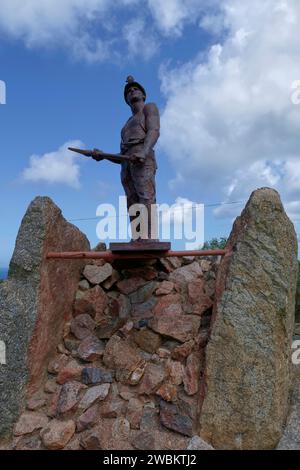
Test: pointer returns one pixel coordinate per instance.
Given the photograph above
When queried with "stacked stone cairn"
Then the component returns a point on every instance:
(128, 371)
(157, 355)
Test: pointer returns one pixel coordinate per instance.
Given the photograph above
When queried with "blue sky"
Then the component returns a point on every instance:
(220, 77)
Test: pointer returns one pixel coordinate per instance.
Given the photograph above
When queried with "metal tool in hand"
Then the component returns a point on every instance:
(104, 156)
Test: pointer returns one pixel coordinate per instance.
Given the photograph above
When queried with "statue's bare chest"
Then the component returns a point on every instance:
(135, 128)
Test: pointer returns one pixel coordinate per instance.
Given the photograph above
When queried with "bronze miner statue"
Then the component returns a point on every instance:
(137, 158)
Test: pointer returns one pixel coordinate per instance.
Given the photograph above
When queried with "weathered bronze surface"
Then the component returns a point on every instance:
(137, 158)
(138, 138)
(99, 155)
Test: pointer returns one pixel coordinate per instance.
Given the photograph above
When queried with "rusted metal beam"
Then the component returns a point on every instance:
(109, 256)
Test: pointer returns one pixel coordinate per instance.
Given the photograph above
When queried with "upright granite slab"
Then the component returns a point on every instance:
(297, 316)
(35, 303)
(291, 436)
(248, 358)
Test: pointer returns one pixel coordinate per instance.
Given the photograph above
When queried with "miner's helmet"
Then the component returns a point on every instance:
(130, 82)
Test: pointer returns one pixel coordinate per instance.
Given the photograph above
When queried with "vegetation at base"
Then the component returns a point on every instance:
(215, 244)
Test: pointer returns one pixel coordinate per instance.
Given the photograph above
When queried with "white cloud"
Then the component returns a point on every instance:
(85, 28)
(139, 37)
(229, 125)
(55, 167)
(171, 14)
(93, 30)
(177, 212)
(184, 220)
(213, 23)
(281, 175)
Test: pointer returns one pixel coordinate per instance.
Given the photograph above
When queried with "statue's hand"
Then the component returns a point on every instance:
(97, 157)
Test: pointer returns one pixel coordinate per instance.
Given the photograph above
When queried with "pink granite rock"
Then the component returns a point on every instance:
(122, 356)
(164, 288)
(115, 276)
(186, 274)
(144, 440)
(175, 371)
(181, 352)
(191, 374)
(167, 392)
(57, 434)
(96, 375)
(97, 274)
(168, 303)
(42, 293)
(116, 316)
(112, 408)
(53, 403)
(88, 418)
(127, 286)
(147, 340)
(57, 363)
(175, 324)
(50, 386)
(82, 326)
(36, 402)
(93, 302)
(91, 349)
(137, 374)
(29, 422)
(174, 419)
(90, 441)
(93, 395)
(69, 397)
(153, 377)
(28, 442)
(134, 412)
(196, 443)
(170, 264)
(198, 298)
(72, 371)
(248, 357)
(163, 353)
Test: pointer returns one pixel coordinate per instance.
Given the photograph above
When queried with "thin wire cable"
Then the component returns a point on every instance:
(192, 206)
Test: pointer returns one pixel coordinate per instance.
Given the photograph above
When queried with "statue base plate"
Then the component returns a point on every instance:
(143, 245)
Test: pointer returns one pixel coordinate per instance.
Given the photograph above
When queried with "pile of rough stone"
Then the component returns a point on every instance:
(128, 371)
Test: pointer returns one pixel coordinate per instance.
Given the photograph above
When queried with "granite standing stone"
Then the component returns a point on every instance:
(291, 436)
(248, 357)
(35, 303)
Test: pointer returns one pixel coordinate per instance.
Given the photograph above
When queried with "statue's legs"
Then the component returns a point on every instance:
(139, 184)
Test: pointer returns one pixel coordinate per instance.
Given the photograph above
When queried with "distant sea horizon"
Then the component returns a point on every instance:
(3, 273)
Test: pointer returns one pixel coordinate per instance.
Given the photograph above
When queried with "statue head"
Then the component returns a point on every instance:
(131, 84)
